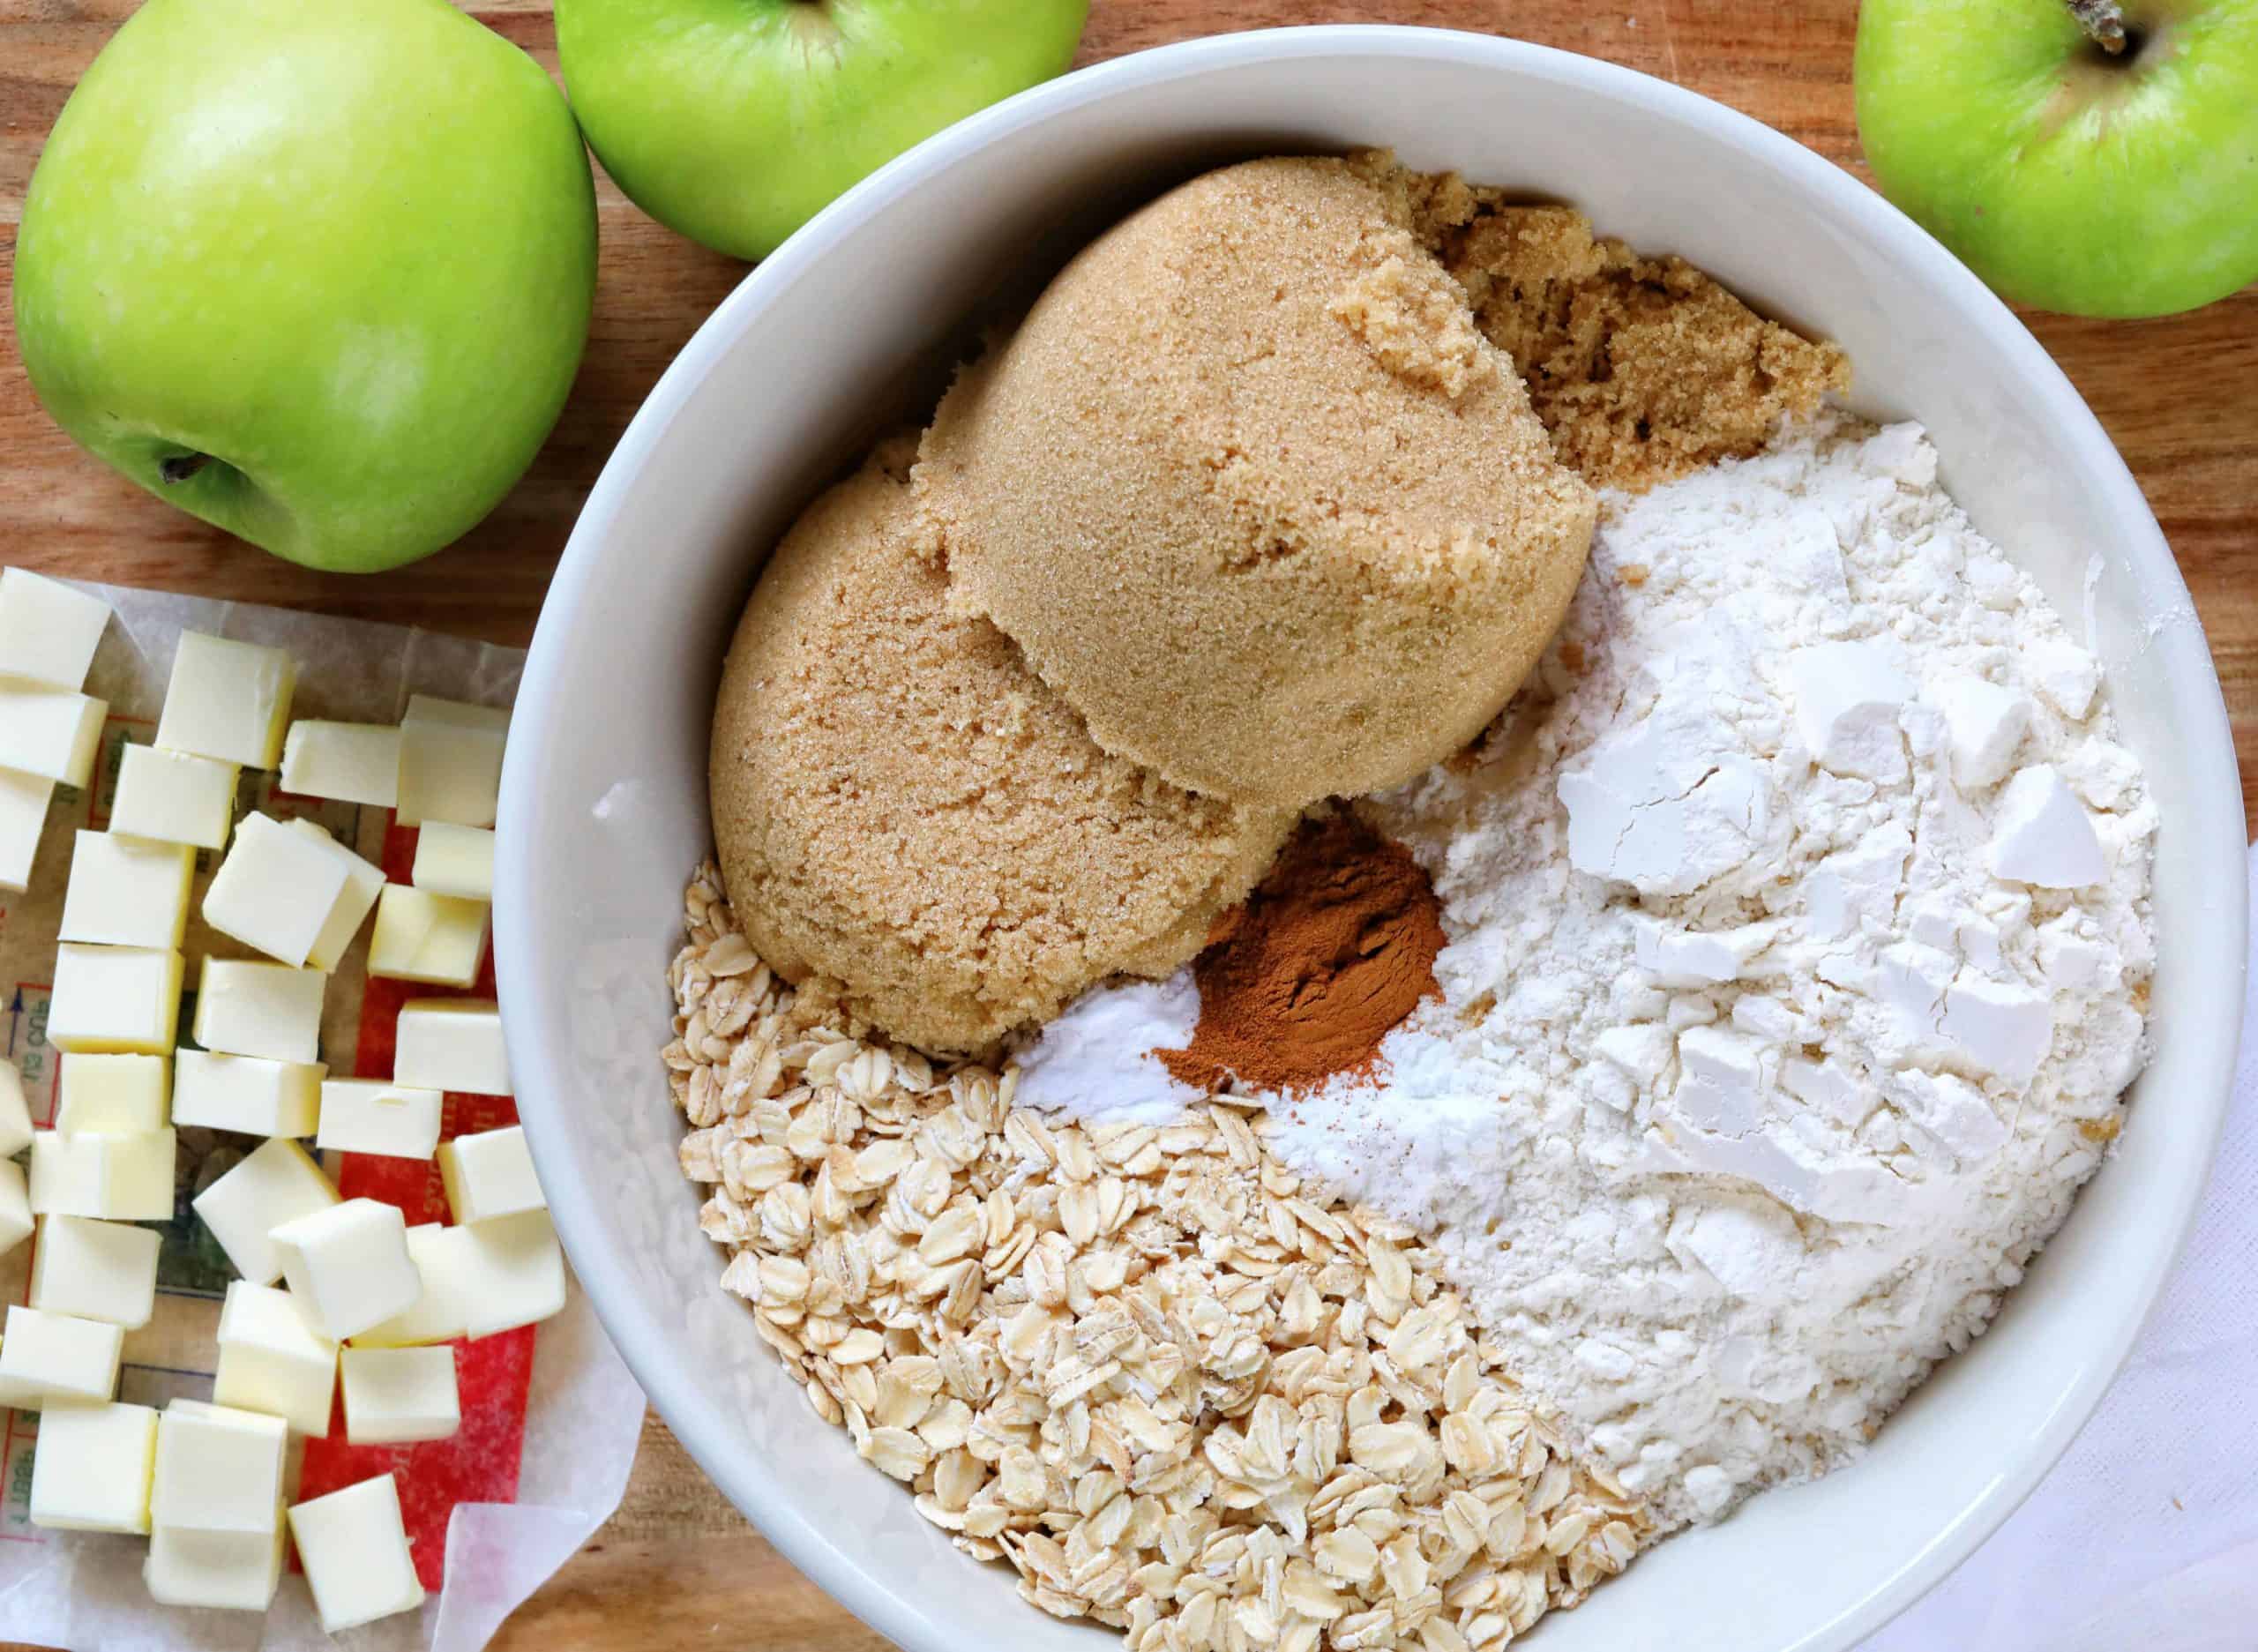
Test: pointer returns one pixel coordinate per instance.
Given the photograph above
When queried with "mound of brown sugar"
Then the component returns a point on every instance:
(1642, 369)
(899, 802)
(1255, 495)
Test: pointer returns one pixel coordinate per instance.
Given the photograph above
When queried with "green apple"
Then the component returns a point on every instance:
(2087, 157)
(317, 271)
(734, 122)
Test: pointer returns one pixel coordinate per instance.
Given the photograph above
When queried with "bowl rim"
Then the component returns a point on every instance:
(774, 1505)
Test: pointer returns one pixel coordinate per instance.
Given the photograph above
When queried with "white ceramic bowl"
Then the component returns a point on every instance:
(604, 807)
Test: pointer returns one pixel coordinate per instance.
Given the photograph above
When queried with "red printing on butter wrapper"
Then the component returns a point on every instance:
(479, 1462)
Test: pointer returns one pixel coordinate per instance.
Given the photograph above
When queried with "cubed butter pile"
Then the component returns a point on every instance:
(362, 1294)
(49, 727)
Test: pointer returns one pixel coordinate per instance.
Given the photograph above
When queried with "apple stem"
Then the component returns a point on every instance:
(181, 466)
(2103, 21)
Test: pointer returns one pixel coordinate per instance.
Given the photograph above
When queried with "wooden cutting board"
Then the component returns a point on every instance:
(677, 1568)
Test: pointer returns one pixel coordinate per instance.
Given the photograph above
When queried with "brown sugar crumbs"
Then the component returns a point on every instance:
(1642, 368)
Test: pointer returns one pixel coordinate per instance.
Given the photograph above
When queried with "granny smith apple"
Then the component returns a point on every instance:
(317, 271)
(2092, 158)
(734, 122)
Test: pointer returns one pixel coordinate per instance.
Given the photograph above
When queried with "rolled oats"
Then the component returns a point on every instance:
(1177, 1391)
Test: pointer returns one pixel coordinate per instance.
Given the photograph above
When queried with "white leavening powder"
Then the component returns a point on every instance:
(1797, 919)
(1097, 1059)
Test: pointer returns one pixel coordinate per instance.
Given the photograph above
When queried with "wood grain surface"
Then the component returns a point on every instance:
(676, 1567)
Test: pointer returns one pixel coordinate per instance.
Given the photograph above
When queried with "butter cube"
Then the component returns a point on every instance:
(440, 1314)
(232, 1570)
(51, 733)
(274, 1358)
(53, 1355)
(351, 762)
(172, 798)
(15, 1112)
(246, 1094)
(91, 1468)
(113, 1000)
(354, 1546)
(137, 1175)
(378, 1115)
(432, 939)
(511, 1273)
(395, 1395)
(114, 1096)
(95, 1270)
(449, 762)
(348, 1265)
(457, 714)
(490, 1174)
(22, 817)
(455, 860)
(275, 890)
(67, 1174)
(487, 1277)
(127, 892)
(364, 883)
(15, 1207)
(218, 1469)
(125, 1177)
(452, 1044)
(255, 1009)
(276, 1182)
(227, 700)
(49, 631)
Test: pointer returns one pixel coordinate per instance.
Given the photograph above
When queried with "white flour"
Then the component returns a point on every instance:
(1797, 915)
(1772, 1044)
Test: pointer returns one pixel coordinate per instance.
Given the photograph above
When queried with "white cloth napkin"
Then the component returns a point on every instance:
(2146, 1534)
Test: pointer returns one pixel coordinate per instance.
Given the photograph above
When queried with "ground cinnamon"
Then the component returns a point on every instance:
(1299, 985)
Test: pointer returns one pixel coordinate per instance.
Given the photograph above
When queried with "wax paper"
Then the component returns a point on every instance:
(551, 1415)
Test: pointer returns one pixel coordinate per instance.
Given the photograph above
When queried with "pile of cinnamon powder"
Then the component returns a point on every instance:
(1334, 948)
